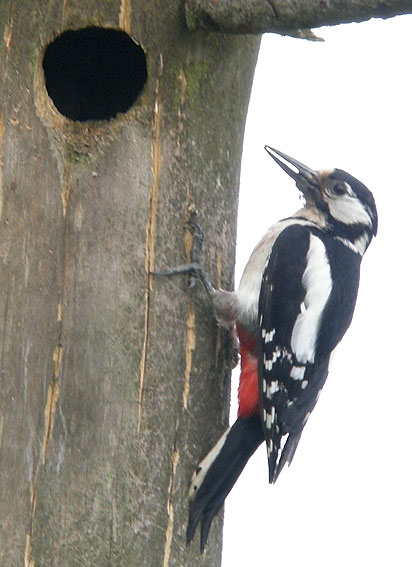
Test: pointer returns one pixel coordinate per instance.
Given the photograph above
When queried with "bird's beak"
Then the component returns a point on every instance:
(306, 179)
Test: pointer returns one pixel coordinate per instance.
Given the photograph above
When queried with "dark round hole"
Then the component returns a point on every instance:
(94, 73)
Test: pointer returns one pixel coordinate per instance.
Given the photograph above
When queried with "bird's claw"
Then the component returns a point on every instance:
(194, 268)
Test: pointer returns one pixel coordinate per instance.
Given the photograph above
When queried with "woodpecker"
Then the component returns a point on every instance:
(294, 303)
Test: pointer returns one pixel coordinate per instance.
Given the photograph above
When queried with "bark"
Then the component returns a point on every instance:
(287, 17)
(114, 383)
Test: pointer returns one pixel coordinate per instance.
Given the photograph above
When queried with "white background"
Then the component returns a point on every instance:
(346, 500)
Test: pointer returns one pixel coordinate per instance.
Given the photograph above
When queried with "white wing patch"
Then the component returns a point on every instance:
(317, 282)
(298, 372)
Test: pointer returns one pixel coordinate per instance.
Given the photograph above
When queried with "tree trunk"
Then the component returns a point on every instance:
(114, 382)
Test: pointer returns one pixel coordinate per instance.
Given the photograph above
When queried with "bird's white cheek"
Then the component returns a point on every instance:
(348, 210)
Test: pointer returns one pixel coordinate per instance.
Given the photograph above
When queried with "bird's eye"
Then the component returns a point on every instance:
(338, 189)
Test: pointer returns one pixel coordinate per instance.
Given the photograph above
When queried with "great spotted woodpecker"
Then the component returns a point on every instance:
(295, 302)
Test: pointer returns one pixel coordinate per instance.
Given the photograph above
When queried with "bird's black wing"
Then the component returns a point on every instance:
(296, 288)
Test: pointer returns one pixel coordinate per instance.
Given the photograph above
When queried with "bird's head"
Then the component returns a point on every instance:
(346, 204)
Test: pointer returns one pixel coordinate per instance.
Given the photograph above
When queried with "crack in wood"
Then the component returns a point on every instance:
(273, 6)
(53, 390)
(65, 193)
(170, 505)
(28, 559)
(125, 16)
(151, 236)
(190, 319)
(8, 30)
(51, 402)
(183, 89)
(8, 40)
(189, 348)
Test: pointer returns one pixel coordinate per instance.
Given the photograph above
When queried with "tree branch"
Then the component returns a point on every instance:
(286, 17)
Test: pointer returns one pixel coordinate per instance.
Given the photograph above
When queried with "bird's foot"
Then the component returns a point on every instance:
(194, 268)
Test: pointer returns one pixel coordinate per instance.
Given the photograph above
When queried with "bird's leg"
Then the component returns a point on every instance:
(195, 269)
(224, 302)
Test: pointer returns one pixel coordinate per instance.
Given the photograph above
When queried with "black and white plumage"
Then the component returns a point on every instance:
(294, 304)
(306, 302)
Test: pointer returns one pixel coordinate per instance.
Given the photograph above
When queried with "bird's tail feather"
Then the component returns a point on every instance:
(218, 472)
(288, 452)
